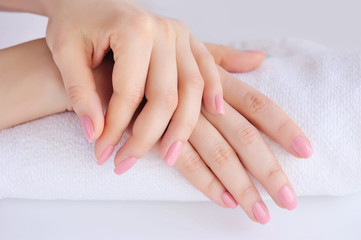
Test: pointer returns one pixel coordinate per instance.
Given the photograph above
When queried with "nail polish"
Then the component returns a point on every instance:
(287, 197)
(260, 212)
(105, 155)
(125, 165)
(173, 153)
(302, 147)
(219, 104)
(229, 200)
(87, 124)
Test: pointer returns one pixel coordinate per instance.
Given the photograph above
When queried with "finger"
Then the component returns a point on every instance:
(255, 155)
(75, 64)
(234, 60)
(190, 84)
(266, 115)
(213, 93)
(131, 57)
(162, 95)
(193, 168)
(224, 163)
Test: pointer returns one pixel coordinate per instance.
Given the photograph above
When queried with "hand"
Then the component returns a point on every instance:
(154, 56)
(222, 148)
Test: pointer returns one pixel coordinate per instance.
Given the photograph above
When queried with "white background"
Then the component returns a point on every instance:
(333, 23)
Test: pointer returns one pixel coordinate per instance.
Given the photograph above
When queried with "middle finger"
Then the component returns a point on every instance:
(255, 155)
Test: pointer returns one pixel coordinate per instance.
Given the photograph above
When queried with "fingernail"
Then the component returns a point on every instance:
(229, 200)
(287, 197)
(260, 212)
(302, 147)
(173, 153)
(87, 124)
(219, 104)
(255, 51)
(125, 165)
(105, 155)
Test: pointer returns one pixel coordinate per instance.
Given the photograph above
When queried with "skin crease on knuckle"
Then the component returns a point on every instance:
(76, 94)
(167, 101)
(196, 82)
(191, 161)
(223, 155)
(256, 101)
(247, 134)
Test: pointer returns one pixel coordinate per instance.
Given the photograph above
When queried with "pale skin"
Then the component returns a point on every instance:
(155, 56)
(220, 149)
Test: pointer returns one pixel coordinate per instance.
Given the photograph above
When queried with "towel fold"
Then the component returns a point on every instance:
(320, 89)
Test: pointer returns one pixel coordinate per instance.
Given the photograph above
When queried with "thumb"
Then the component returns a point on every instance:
(234, 60)
(75, 67)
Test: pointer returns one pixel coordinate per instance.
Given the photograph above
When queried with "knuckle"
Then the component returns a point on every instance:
(248, 135)
(165, 26)
(135, 97)
(222, 155)
(196, 82)
(168, 101)
(142, 24)
(192, 162)
(273, 174)
(256, 101)
(246, 191)
(75, 94)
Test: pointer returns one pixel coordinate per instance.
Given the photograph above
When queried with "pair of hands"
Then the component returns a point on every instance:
(160, 58)
(221, 149)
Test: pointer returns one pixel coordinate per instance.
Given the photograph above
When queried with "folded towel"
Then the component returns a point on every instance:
(320, 89)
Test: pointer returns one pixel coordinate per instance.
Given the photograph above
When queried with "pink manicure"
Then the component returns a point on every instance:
(302, 147)
(260, 212)
(125, 165)
(219, 104)
(105, 155)
(255, 51)
(287, 197)
(229, 200)
(173, 153)
(87, 124)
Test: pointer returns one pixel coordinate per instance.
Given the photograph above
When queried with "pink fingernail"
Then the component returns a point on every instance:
(125, 165)
(287, 197)
(260, 212)
(173, 153)
(219, 104)
(229, 200)
(87, 124)
(302, 147)
(105, 155)
(255, 51)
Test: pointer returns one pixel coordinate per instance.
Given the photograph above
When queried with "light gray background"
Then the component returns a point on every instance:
(333, 23)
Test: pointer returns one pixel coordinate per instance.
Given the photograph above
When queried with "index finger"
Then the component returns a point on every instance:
(266, 115)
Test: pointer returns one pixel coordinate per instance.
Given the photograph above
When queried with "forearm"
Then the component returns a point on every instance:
(30, 84)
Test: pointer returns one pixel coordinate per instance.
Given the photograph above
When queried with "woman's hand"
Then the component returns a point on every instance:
(154, 56)
(222, 148)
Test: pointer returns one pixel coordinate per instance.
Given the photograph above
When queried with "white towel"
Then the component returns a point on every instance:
(320, 89)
